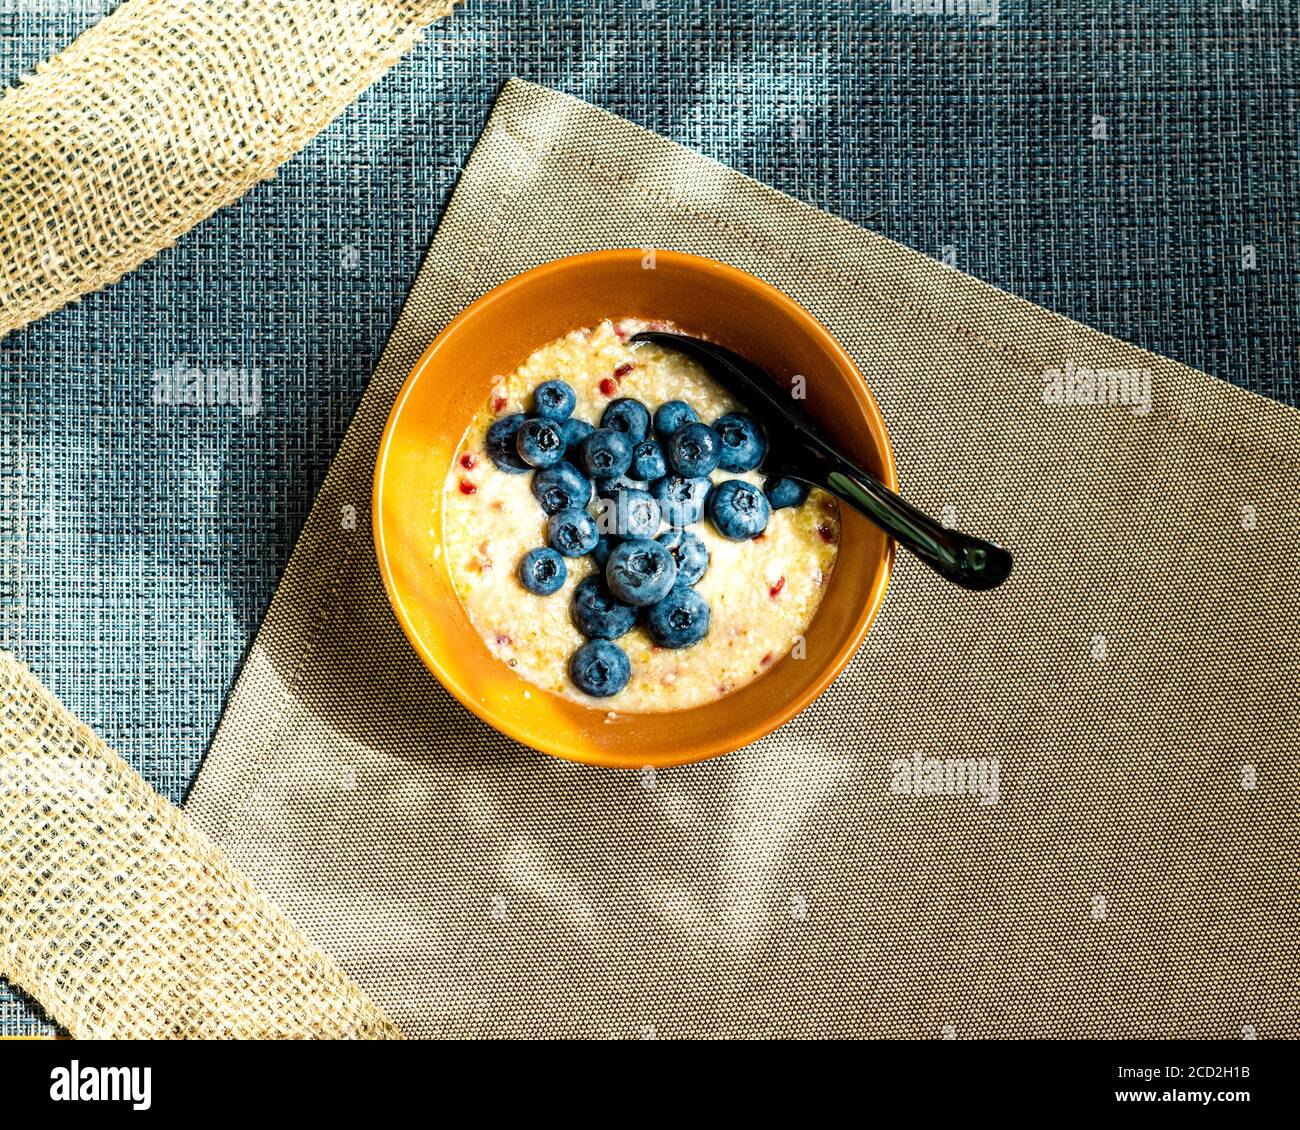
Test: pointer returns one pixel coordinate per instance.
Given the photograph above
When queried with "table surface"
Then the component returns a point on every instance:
(140, 544)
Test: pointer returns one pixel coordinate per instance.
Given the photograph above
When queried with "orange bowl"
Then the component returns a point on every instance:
(450, 383)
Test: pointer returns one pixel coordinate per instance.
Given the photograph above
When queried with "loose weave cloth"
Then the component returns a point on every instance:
(123, 919)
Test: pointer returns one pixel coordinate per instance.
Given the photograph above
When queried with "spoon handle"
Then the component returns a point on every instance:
(801, 453)
(968, 561)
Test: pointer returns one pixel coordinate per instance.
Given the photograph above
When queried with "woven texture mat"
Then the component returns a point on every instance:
(160, 114)
(123, 919)
(1133, 683)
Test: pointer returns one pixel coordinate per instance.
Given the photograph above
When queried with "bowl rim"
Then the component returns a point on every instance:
(715, 747)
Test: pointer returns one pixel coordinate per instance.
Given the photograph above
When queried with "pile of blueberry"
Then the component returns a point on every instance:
(644, 472)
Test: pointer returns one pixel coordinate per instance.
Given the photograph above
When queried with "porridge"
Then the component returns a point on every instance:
(612, 537)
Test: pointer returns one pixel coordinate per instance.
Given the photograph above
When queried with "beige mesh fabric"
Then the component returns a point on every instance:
(160, 114)
(122, 918)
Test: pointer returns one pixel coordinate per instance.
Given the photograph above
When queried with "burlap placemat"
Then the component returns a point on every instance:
(123, 919)
(160, 114)
(1128, 867)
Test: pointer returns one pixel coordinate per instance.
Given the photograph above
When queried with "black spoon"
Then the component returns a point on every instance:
(799, 452)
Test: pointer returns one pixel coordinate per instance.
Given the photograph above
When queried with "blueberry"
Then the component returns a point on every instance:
(575, 431)
(555, 400)
(604, 546)
(680, 619)
(609, 488)
(694, 450)
(672, 415)
(561, 487)
(681, 501)
(600, 668)
(690, 554)
(540, 442)
(597, 613)
(629, 513)
(738, 509)
(501, 444)
(640, 571)
(606, 453)
(642, 517)
(542, 571)
(784, 492)
(743, 441)
(648, 461)
(573, 532)
(627, 416)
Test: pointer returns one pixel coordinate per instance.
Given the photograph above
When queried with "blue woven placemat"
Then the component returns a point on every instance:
(1134, 167)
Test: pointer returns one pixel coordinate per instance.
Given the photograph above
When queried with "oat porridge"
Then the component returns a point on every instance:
(611, 534)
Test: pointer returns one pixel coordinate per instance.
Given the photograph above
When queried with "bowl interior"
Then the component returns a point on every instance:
(453, 380)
